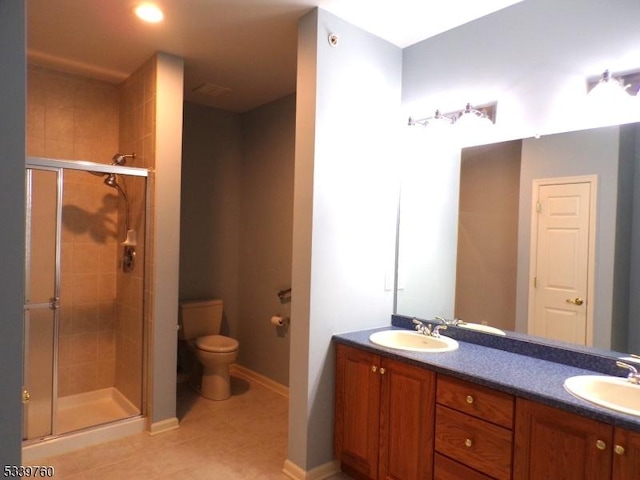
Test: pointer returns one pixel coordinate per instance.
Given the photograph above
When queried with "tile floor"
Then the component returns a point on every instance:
(244, 437)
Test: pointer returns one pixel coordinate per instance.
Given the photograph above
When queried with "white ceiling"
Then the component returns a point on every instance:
(247, 46)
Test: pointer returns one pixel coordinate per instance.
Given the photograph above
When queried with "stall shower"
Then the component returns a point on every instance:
(84, 323)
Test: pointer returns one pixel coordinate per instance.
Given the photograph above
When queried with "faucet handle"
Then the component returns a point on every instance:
(444, 321)
(634, 375)
(421, 327)
(436, 330)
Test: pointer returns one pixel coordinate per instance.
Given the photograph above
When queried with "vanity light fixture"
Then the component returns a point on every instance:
(438, 119)
(149, 13)
(473, 118)
(609, 88)
(467, 119)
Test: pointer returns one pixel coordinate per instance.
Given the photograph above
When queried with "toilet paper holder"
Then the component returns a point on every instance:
(279, 321)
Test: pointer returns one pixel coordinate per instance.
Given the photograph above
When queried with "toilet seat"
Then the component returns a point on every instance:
(216, 344)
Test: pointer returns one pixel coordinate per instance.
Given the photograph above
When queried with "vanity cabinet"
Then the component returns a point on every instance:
(474, 431)
(626, 454)
(554, 444)
(384, 414)
(395, 421)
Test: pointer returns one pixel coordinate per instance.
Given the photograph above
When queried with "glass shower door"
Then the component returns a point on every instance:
(41, 301)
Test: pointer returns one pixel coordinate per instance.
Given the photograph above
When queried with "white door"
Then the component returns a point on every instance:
(561, 262)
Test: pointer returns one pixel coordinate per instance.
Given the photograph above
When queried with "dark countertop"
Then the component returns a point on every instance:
(520, 375)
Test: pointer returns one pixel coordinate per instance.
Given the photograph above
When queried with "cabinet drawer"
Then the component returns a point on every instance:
(474, 442)
(481, 402)
(447, 469)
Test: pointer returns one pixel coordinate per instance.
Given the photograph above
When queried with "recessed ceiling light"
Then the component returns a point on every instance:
(149, 13)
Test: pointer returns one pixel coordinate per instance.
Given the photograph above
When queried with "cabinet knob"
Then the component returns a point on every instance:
(619, 449)
(374, 369)
(468, 443)
(600, 445)
(382, 370)
(469, 399)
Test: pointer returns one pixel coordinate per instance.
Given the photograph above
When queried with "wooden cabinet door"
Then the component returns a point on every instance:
(557, 445)
(406, 422)
(357, 411)
(626, 455)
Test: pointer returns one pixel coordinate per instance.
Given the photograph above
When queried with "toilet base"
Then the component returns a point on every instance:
(210, 373)
(215, 383)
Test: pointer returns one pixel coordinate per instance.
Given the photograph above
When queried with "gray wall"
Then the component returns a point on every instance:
(166, 242)
(210, 216)
(634, 240)
(427, 238)
(345, 197)
(268, 142)
(623, 265)
(533, 58)
(488, 234)
(12, 157)
(236, 228)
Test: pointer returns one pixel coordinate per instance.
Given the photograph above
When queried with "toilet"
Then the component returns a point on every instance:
(200, 322)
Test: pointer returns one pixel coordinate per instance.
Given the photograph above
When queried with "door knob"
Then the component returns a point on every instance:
(575, 301)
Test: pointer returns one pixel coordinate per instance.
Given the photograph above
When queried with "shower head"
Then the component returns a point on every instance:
(121, 158)
(111, 180)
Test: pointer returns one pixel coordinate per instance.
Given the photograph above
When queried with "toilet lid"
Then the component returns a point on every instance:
(216, 344)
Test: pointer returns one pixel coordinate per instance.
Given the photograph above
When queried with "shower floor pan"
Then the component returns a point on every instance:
(89, 409)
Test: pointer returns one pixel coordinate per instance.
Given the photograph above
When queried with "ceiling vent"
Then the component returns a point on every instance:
(211, 90)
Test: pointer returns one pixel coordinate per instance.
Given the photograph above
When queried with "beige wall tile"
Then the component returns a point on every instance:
(58, 124)
(85, 288)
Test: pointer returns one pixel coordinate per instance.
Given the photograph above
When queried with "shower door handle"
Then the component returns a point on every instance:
(54, 304)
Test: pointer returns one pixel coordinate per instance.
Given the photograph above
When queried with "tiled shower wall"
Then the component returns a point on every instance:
(74, 118)
(137, 134)
(70, 117)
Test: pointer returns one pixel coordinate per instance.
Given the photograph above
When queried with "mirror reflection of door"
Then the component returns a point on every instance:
(562, 235)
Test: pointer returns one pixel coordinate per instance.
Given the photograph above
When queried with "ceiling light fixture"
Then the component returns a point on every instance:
(149, 12)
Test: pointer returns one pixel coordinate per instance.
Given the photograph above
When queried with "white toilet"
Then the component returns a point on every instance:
(200, 328)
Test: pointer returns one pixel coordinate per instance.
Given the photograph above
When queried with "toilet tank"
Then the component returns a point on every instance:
(199, 318)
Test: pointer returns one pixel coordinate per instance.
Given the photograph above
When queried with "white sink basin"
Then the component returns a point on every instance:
(481, 328)
(413, 341)
(610, 392)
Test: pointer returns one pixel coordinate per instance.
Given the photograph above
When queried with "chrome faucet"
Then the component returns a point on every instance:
(428, 329)
(445, 321)
(634, 375)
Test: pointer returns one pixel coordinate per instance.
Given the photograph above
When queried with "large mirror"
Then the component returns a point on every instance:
(523, 221)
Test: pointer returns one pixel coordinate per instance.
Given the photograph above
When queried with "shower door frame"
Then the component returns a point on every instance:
(58, 166)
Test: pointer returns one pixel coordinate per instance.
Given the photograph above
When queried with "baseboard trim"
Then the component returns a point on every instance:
(326, 470)
(247, 374)
(164, 426)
